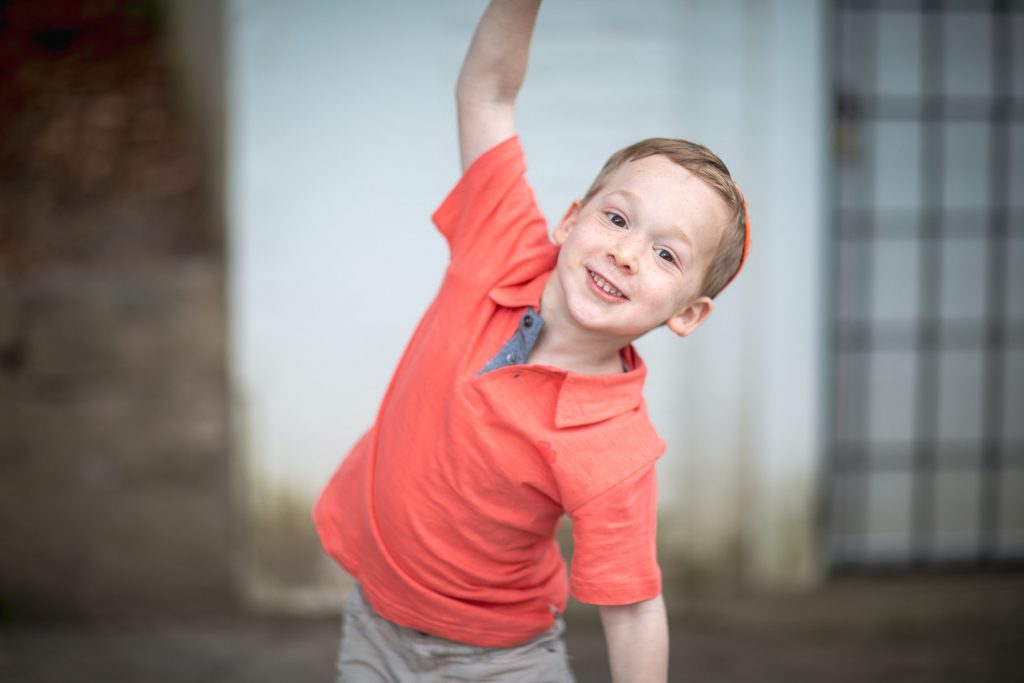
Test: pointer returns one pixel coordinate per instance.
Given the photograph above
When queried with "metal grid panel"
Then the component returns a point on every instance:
(926, 461)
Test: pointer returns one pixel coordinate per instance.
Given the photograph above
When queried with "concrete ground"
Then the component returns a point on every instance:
(934, 629)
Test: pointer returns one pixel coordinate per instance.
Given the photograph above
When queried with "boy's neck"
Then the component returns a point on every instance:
(564, 344)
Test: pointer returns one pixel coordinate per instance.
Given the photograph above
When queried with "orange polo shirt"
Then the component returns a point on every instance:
(446, 509)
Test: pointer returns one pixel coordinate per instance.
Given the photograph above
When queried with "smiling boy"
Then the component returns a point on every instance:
(518, 400)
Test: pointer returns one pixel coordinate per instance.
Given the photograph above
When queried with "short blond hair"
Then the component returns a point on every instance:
(703, 163)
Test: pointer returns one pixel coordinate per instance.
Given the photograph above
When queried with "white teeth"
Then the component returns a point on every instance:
(603, 284)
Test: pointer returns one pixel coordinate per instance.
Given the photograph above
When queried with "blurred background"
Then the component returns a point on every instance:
(215, 242)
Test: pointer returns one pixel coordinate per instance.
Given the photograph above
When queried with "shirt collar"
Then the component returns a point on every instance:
(582, 399)
(586, 399)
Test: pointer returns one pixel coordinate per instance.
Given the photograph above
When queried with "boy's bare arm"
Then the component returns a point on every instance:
(637, 637)
(492, 74)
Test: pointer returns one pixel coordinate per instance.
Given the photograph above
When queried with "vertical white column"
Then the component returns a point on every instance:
(790, 180)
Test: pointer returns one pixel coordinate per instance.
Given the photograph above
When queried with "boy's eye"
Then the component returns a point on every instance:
(667, 255)
(616, 219)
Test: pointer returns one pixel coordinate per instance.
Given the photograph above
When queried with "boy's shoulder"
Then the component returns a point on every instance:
(496, 233)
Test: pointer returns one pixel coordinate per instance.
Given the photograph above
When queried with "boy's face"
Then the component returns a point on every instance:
(634, 256)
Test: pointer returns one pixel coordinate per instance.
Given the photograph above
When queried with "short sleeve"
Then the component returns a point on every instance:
(490, 218)
(614, 558)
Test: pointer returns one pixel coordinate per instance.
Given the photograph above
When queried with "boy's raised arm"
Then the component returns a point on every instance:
(492, 74)
(637, 637)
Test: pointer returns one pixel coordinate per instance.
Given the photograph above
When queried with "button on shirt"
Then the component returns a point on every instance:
(446, 509)
(518, 347)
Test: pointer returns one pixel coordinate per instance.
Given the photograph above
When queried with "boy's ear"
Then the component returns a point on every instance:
(567, 223)
(690, 318)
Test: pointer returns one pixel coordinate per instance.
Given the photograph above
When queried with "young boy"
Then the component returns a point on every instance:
(519, 399)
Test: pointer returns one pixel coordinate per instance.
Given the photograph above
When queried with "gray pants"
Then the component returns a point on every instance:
(375, 650)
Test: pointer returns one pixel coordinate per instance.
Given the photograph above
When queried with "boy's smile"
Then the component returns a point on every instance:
(605, 288)
(635, 255)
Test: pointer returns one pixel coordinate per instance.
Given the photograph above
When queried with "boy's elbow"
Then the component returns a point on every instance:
(485, 96)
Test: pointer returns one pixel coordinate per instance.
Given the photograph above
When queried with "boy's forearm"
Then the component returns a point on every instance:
(495, 63)
(637, 637)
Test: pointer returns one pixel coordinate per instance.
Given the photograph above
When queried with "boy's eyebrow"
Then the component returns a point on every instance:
(635, 198)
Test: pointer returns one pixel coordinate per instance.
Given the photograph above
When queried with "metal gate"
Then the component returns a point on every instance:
(926, 452)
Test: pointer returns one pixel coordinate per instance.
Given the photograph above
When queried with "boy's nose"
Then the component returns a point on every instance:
(626, 254)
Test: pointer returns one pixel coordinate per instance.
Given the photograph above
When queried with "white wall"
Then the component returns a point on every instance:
(342, 141)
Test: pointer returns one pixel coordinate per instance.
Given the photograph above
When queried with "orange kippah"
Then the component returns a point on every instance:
(746, 239)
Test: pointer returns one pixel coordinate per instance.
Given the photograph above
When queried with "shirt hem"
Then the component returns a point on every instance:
(477, 637)
(638, 591)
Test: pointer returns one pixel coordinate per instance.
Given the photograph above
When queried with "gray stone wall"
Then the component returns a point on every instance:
(114, 468)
